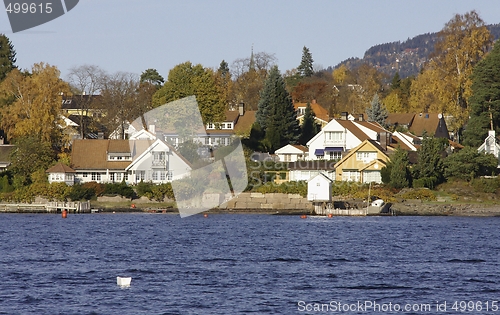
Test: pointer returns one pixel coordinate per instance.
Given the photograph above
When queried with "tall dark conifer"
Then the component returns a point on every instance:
(305, 68)
(276, 114)
(309, 127)
(7, 56)
(484, 103)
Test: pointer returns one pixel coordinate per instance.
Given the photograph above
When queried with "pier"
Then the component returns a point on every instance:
(49, 207)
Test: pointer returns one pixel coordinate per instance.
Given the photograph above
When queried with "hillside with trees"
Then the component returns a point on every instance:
(407, 57)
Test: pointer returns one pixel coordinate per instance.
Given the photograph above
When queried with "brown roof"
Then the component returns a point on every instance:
(60, 168)
(245, 122)
(424, 122)
(300, 147)
(232, 115)
(5, 151)
(90, 154)
(399, 119)
(319, 111)
(349, 125)
(312, 165)
(372, 125)
(119, 147)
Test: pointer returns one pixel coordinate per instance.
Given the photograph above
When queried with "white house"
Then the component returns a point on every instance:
(336, 137)
(319, 188)
(109, 160)
(490, 145)
(159, 163)
(292, 153)
(61, 173)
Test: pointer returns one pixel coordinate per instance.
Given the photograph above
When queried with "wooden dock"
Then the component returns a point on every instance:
(49, 207)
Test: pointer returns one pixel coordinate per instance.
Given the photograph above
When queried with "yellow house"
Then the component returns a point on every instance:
(362, 163)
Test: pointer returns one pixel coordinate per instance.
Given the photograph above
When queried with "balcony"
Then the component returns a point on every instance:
(158, 163)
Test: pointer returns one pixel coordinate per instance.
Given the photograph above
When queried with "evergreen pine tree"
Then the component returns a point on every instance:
(429, 170)
(309, 127)
(276, 114)
(396, 82)
(305, 68)
(377, 112)
(485, 100)
(7, 56)
(400, 176)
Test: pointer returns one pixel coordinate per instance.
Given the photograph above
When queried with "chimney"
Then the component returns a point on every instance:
(241, 109)
(360, 117)
(383, 140)
(152, 129)
(343, 116)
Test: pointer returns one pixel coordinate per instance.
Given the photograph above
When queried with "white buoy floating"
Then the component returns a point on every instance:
(123, 281)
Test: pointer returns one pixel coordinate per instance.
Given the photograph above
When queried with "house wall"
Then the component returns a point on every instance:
(352, 164)
(319, 189)
(349, 141)
(102, 176)
(305, 175)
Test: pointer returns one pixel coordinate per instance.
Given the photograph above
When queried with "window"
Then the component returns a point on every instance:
(334, 136)
(336, 155)
(366, 156)
(96, 176)
(287, 157)
(118, 177)
(229, 126)
(222, 126)
(210, 126)
(112, 177)
(162, 175)
(170, 175)
(125, 176)
(207, 140)
(85, 174)
(155, 175)
(140, 175)
(350, 175)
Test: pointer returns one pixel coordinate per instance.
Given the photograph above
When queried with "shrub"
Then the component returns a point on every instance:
(486, 185)
(121, 189)
(81, 192)
(422, 194)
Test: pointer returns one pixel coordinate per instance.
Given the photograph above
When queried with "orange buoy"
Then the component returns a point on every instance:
(64, 214)
(205, 215)
(303, 216)
(330, 215)
(132, 206)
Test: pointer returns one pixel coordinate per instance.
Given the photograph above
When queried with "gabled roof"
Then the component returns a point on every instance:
(92, 154)
(151, 146)
(322, 176)
(372, 125)
(231, 115)
(427, 122)
(299, 147)
(349, 125)
(356, 149)
(400, 119)
(60, 168)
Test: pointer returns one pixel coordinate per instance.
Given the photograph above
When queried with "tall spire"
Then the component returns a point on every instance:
(251, 66)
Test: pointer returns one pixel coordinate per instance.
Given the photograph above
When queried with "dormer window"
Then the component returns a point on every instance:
(210, 126)
(229, 126)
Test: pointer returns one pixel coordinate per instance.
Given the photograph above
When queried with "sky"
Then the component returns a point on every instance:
(134, 35)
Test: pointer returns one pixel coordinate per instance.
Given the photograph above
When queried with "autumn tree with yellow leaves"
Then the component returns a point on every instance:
(444, 86)
(35, 111)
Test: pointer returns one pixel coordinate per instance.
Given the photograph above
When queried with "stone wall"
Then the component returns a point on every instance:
(273, 201)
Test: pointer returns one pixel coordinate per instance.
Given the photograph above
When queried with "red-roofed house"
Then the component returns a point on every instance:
(320, 113)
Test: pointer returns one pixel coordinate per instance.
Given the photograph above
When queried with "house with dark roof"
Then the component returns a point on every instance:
(132, 161)
(418, 124)
(82, 105)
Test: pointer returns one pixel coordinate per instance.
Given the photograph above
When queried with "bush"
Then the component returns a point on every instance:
(486, 185)
(81, 192)
(299, 187)
(97, 187)
(422, 194)
(121, 189)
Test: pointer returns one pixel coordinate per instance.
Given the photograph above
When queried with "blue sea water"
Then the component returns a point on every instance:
(247, 264)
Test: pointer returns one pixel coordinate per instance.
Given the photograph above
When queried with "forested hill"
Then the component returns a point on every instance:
(406, 57)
